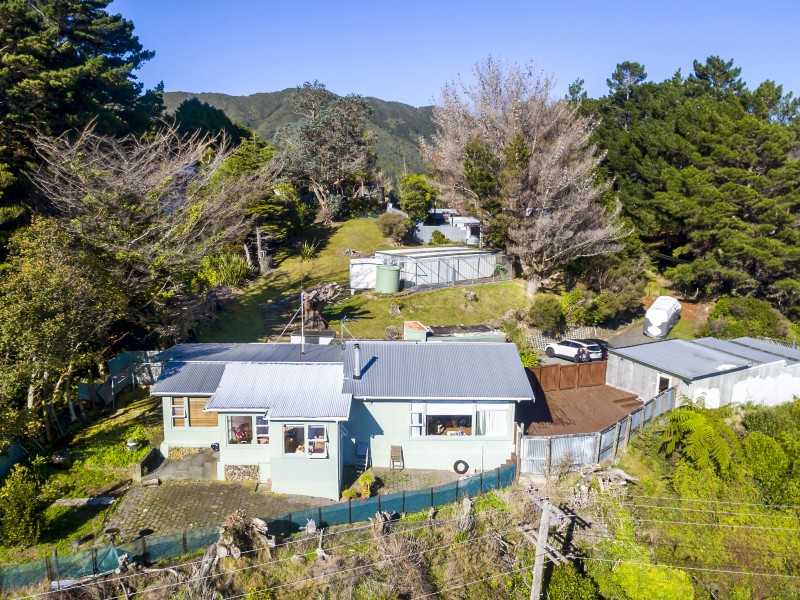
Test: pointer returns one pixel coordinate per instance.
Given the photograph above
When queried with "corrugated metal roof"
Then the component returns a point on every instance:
(683, 359)
(792, 355)
(751, 354)
(287, 391)
(184, 379)
(421, 370)
(253, 353)
(441, 252)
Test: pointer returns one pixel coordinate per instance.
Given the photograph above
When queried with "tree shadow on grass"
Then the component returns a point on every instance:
(316, 233)
(68, 523)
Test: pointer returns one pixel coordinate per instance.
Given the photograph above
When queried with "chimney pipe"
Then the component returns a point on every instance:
(356, 362)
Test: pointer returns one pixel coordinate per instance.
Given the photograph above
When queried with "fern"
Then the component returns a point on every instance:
(698, 437)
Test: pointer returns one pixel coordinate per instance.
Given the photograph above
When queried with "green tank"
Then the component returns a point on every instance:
(387, 279)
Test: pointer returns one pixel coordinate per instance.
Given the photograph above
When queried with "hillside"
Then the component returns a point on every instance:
(397, 126)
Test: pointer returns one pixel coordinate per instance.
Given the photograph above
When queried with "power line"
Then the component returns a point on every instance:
(731, 525)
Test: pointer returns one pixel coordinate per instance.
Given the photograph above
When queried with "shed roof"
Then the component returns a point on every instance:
(409, 370)
(285, 390)
(257, 352)
(682, 358)
(188, 379)
(440, 252)
(792, 355)
(746, 352)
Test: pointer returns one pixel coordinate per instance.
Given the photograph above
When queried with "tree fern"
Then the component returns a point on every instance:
(698, 437)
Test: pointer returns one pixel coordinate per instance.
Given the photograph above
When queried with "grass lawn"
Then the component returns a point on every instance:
(368, 315)
(102, 466)
(243, 320)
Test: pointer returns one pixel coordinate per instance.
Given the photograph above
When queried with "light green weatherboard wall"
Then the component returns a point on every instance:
(301, 474)
(386, 423)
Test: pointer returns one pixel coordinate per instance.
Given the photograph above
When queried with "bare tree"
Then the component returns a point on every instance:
(154, 205)
(537, 174)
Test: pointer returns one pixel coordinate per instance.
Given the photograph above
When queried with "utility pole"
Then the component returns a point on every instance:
(541, 551)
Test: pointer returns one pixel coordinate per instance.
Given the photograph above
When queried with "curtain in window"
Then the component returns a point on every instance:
(492, 422)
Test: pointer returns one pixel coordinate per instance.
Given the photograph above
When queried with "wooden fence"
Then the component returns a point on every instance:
(552, 378)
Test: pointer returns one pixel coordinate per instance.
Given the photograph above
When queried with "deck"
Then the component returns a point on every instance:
(579, 410)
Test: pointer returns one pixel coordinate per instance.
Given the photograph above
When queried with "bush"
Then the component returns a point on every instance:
(768, 462)
(393, 226)
(224, 269)
(439, 239)
(566, 583)
(546, 314)
(736, 316)
(23, 501)
(349, 494)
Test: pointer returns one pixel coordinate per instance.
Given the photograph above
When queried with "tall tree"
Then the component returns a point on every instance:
(65, 63)
(57, 306)
(542, 162)
(328, 148)
(417, 197)
(156, 207)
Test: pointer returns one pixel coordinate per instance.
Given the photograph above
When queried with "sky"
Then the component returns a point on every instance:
(406, 51)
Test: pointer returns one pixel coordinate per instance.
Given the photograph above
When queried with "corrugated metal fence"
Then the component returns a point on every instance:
(102, 559)
(542, 455)
(126, 369)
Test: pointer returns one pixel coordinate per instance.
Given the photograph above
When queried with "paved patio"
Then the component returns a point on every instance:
(174, 507)
(399, 480)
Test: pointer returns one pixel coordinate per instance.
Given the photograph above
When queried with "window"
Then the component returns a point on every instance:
(294, 439)
(417, 410)
(240, 429)
(178, 412)
(262, 430)
(663, 383)
(491, 420)
(317, 441)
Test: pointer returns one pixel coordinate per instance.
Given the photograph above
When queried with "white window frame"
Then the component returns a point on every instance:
(417, 420)
(658, 383)
(256, 427)
(307, 453)
(491, 407)
(183, 407)
(228, 429)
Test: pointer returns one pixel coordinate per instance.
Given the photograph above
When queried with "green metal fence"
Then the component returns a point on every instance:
(64, 568)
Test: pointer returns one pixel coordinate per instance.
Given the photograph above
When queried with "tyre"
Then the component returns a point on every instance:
(460, 467)
(550, 352)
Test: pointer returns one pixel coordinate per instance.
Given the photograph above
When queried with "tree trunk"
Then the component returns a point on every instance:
(324, 208)
(264, 262)
(247, 256)
(68, 395)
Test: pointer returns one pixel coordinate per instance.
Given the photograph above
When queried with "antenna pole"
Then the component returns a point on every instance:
(302, 323)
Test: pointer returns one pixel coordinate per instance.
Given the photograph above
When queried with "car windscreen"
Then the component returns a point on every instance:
(594, 348)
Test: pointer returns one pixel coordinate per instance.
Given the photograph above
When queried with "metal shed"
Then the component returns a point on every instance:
(445, 266)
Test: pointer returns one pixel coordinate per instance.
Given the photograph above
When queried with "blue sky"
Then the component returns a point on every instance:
(406, 51)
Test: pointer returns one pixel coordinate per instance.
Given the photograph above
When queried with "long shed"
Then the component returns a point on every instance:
(719, 372)
(448, 265)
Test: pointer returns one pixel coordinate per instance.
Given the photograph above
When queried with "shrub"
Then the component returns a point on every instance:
(439, 239)
(546, 313)
(393, 225)
(349, 494)
(768, 462)
(529, 358)
(737, 316)
(224, 269)
(566, 583)
(23, 501)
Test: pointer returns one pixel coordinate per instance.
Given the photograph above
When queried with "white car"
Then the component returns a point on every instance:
(569, 349)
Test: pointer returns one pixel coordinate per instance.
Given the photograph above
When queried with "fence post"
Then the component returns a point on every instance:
(481, 488)
(597, 452)
(319, 516)
(94, 561)
(627, 431)
(350, 511)
(616, 439)
(58, 576)
(456, 490)
(183, 542)
(378, 496)
(431, 497)
(547, 455)
(644, 412)
(498, 478)
(142, 550)
(403, 505)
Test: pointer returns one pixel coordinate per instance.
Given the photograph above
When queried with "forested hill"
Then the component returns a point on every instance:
(397, 126)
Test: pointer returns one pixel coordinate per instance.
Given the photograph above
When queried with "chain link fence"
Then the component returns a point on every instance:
(65, 569)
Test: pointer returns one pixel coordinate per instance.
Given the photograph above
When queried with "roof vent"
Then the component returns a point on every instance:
(356, 362)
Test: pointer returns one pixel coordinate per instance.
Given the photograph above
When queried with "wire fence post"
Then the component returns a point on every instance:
(597, 451)
(350, 510)
(319, 516)
(94, 561)
(456, 490)
(481, 488)
(143, 549)
(431, 497)
(379, 501)
(55, 563)
(498, 478)
(403, 504)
